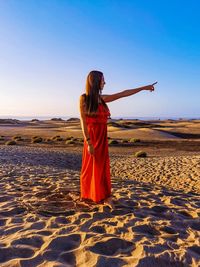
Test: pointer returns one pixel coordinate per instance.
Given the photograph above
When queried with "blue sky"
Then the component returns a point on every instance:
(47, 48)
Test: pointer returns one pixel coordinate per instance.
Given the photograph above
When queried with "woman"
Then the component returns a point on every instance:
(95, 182)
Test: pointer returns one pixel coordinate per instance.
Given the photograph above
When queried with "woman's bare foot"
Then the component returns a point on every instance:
(108, 201)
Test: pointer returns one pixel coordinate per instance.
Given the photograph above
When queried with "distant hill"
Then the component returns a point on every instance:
(9, 121)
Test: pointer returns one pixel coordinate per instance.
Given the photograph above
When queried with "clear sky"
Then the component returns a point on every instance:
(47, 48)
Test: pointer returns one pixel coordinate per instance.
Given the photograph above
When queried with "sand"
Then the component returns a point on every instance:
(44, 223)
(156, 219)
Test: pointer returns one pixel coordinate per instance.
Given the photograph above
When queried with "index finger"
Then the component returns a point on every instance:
(154, 83)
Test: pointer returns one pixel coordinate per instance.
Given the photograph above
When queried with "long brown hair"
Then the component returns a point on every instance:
(92, 90)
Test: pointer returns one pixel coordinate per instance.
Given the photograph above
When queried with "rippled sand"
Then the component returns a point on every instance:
(43, 222)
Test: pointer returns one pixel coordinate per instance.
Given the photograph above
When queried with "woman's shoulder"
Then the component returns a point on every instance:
(82, 97)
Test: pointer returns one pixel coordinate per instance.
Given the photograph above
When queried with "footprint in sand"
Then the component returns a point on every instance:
(195, 249)
(152, 261)
(113, 247)
(159, 209)
(98, 229)
(61, 248)
(169, 230)
(17, 220)
(195, 226)
(44, 232)
(2, 222)
(33, 241)
(5, 198)
(146, 229)
(178, 201)
(188, 214)
(12, 212)
(9, 253)
(37, 226)
(68, 258)
(65, 243)
(104, 261)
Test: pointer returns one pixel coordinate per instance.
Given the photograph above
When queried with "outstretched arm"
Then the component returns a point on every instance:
(128, 92)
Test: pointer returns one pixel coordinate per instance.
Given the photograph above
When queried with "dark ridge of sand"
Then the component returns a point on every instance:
(182, 135)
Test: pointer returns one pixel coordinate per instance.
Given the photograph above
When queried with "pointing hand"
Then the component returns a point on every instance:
(151, 87)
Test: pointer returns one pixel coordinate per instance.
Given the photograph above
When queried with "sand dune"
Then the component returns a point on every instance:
(44, 223)
(142, 133)
(147, 130)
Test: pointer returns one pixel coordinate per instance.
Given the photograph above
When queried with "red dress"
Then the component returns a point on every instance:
(95, 183)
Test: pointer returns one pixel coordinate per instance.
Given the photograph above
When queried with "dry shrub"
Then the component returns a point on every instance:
(134, 140)
(113, 142)
(36, 139)
(141, 154)
(11, 143)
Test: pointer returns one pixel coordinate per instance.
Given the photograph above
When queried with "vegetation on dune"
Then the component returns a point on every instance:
(35, 136)
(69, 142)
(11, 143)
(57, 138)
(135, 140)
(69, 138)
(80, 140)
(141, 154)
(48, 140)
(9, 121)
(36, 139)
(17, 138)
(124, 141)
(113, 142)
(1, 138)
(56, 119)
(73, 120)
